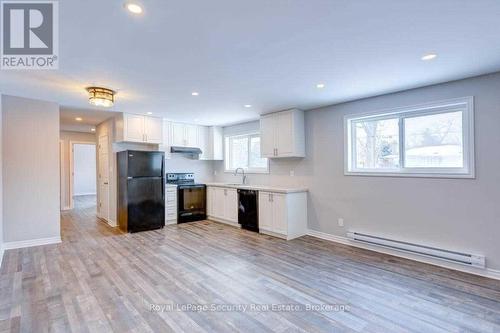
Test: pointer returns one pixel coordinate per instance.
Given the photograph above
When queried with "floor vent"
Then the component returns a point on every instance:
(452, 256)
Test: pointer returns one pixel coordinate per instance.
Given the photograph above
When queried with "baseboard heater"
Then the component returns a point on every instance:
(451, 256)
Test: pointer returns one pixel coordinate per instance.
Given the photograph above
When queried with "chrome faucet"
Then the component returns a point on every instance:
(244, 179)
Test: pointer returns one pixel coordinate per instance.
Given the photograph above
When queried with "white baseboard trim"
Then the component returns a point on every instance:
(82, 194)
(487, 272)
(31, 242)
(170, 222)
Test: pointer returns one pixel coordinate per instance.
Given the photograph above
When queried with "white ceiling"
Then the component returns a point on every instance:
(270, 54)
(89, 118)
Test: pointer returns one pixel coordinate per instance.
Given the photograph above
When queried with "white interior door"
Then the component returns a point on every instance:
(103, 178)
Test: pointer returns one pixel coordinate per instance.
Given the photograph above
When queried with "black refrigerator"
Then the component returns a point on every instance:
(141, 190)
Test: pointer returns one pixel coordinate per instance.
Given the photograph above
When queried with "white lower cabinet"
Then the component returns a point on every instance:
(170, 204)
(280, 214)
(283, 215)
(222, 204)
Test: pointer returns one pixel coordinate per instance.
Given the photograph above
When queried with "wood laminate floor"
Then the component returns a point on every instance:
(101, 280)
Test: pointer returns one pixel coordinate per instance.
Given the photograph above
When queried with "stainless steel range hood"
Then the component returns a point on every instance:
(185, 150)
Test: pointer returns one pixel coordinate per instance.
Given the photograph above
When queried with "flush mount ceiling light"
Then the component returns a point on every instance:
(247, 105)
(92, 129)
(149, 113)
(429, 56)
(99, 96)
(133, 7)
(320, 85)
(78, 119)
(195, 93)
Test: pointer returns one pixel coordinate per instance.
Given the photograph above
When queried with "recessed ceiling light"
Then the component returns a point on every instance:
(78, 119)
(320, 85)
(429, 56)
(92, 129)
(195, 93)
(133, 7)
(150, 113)
(247, 105)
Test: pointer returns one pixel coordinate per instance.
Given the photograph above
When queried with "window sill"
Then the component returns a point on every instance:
(411, 174)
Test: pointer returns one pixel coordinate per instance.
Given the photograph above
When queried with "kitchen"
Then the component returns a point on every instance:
(273, 210)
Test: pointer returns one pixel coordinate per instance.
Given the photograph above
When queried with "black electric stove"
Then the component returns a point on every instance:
(191, 197)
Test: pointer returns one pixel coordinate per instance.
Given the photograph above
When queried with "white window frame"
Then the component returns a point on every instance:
(227, 153)
(464, 105)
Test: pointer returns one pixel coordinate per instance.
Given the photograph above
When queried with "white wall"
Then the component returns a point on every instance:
(66, 137)
(457, 214)
(84, 166)
(203, 170)
(30, 141)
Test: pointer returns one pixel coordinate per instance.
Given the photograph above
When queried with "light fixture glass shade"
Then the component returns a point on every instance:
(101, 96)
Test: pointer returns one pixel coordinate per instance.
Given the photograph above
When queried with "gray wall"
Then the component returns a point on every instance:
(460, 214)
(30, 137)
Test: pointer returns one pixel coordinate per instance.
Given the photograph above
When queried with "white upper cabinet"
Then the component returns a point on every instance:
(178, 135)
(138, 128)
(153, 129)
(210, 142)
(267, 132)
(282, 134)
(133, 128)
(191, 135)
(208, 139)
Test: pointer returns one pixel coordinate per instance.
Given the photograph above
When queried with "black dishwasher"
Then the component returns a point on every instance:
(248, 210)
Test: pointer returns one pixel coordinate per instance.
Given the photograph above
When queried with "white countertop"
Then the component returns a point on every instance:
(267, 188)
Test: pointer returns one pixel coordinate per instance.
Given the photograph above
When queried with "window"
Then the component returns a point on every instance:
(433, 140)
(243, 151)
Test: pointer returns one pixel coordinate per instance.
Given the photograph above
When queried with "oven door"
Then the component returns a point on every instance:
(192, 203)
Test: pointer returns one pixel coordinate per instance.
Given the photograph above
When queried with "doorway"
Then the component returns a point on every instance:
(83, 182)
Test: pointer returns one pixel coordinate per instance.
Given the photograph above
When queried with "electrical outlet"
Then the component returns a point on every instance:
(341, 222)
(292, 173)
